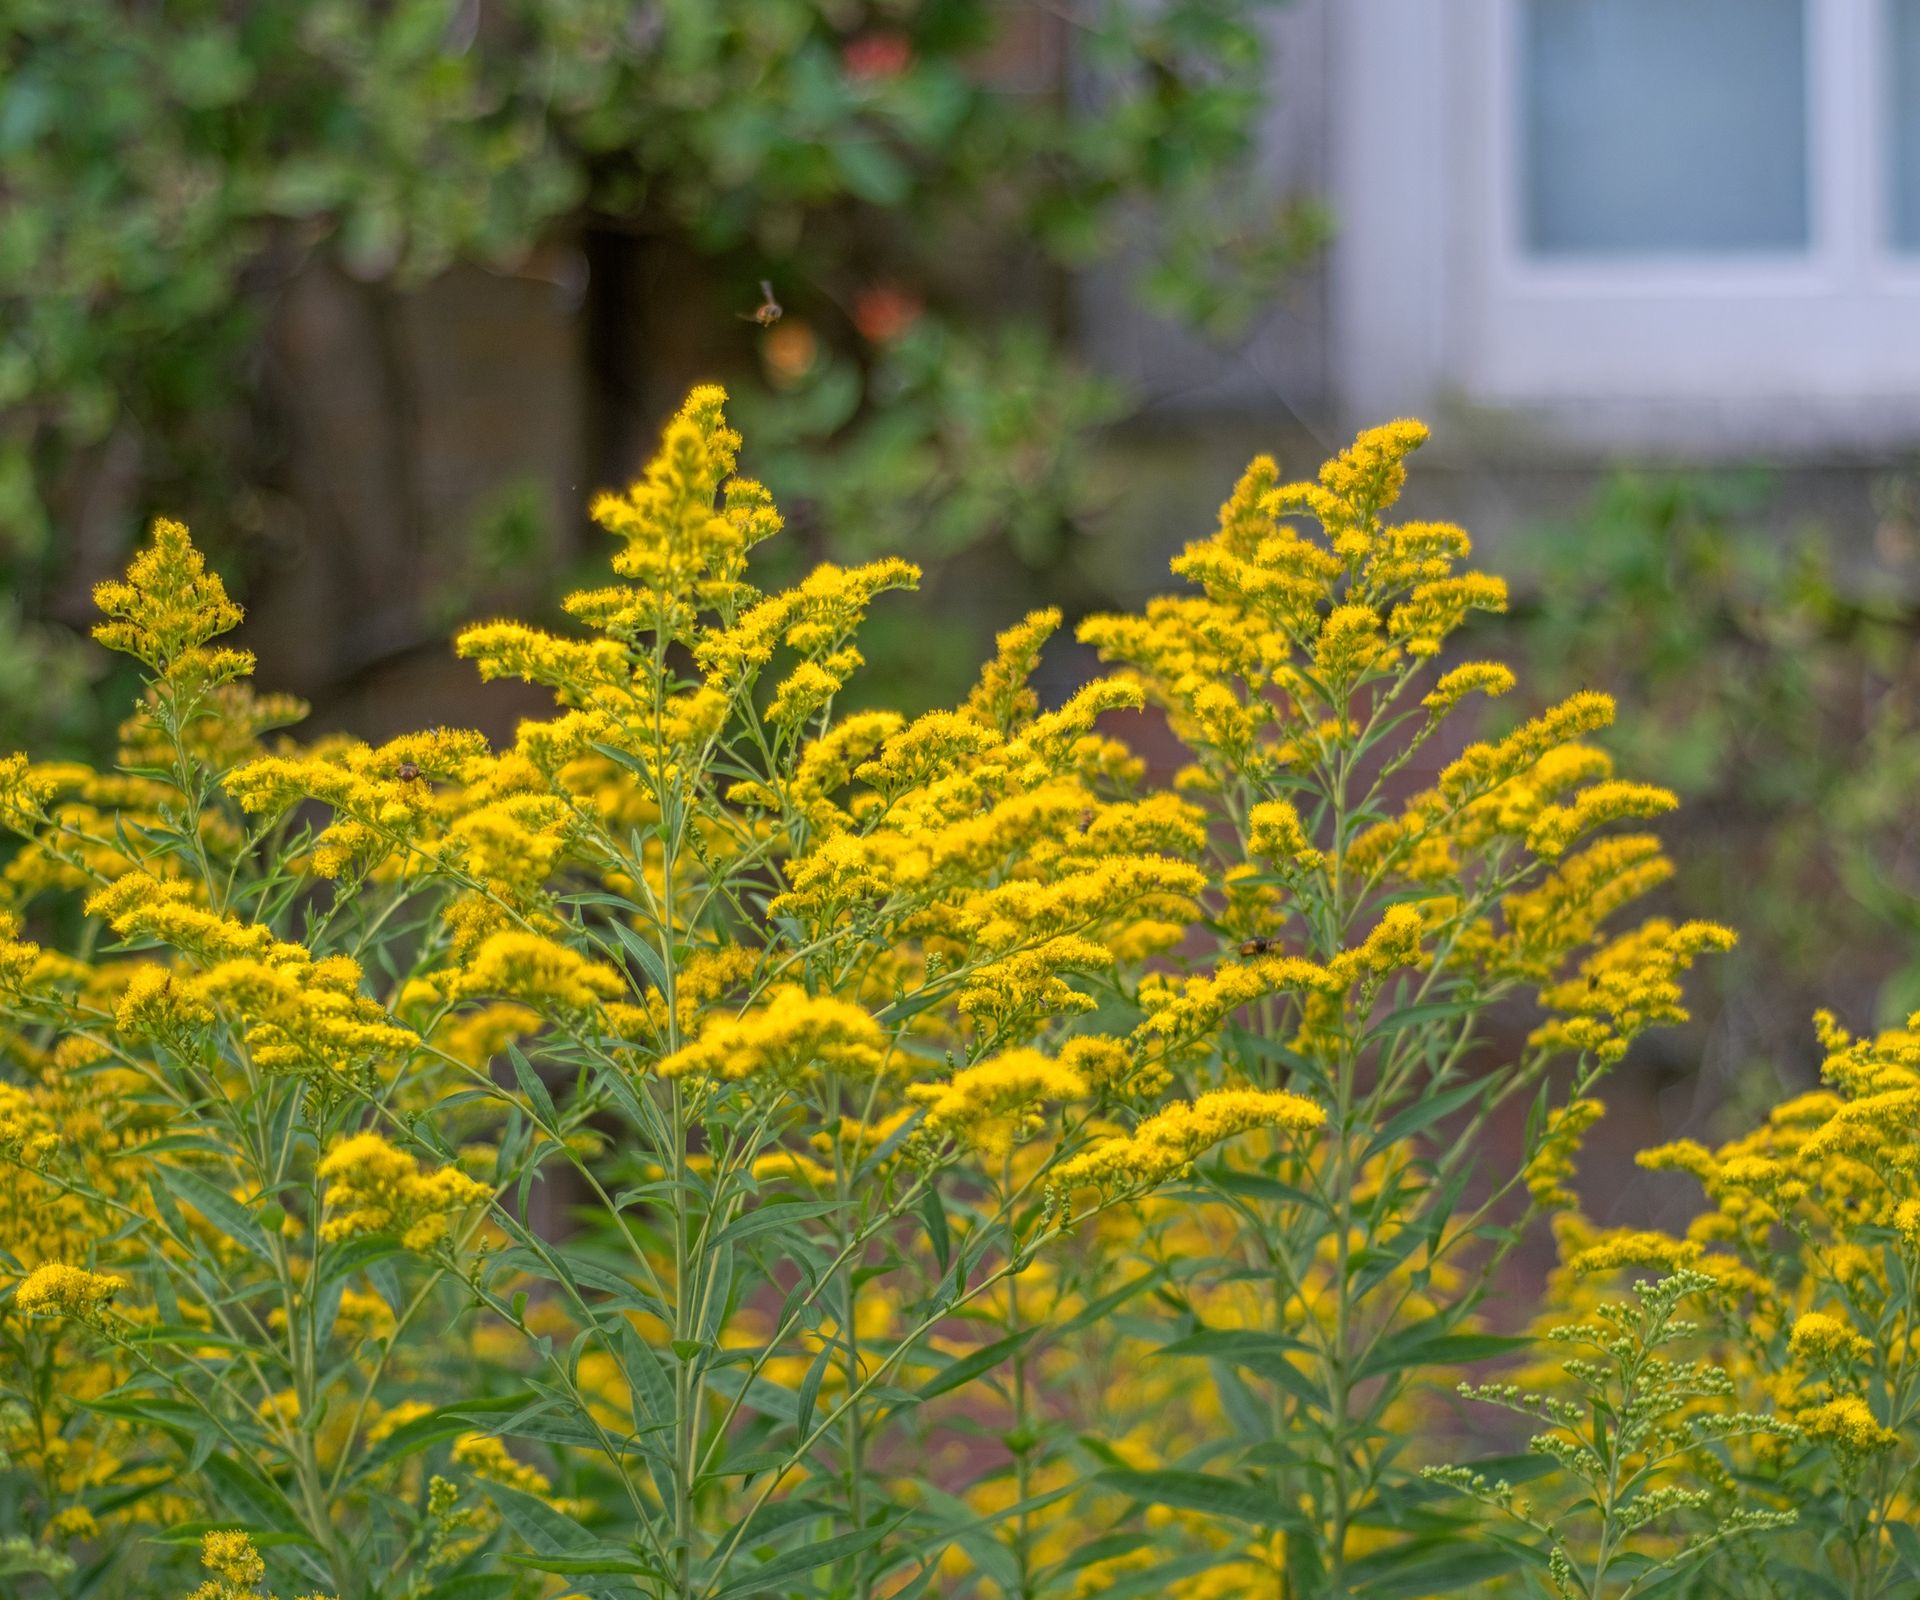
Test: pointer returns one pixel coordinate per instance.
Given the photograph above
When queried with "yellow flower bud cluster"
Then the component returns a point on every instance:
(237, 1567)
(996, 1102)
(372, 1188)
(791, 1033)
(1165, 1145)
(57, 1289)
(299, 1015)
(167, 609)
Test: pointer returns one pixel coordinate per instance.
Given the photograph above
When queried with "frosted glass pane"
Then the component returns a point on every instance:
(1663, 126)
(1904, 31)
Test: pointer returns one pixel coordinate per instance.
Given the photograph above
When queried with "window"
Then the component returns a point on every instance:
(1903, 124)
(1654, 224)
(1664, 125)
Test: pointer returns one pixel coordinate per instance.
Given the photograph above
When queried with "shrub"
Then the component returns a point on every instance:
(714, 1145)
(167, 178)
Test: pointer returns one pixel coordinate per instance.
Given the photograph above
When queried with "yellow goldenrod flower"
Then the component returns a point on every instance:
(1181, 1011)
(55, 1289)
(1849, 1425)
(166, 610)
(1551, 1170)
(1474, 677)
(1819, 1337)
(372, 1188)
(1631, 1247)
(1167, 1143)
(1276, 833)
(789, 1033)
(73, 1522)
(537, 972)
(486, 1457)
(231, 1556)
(997, 1101)
(1556, 827)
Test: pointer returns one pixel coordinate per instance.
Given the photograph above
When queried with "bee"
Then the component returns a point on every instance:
(769, 311)
(1260, 946)
(1086, 820)
(408, 773)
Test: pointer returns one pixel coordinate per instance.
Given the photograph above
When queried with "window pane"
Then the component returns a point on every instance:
(1904, 64)
(1664, 125)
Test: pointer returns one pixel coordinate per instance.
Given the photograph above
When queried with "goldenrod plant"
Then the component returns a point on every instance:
(1374, 892)
(716, 1144)
(1651, 1501)
(1809, 1245)
(759, 990)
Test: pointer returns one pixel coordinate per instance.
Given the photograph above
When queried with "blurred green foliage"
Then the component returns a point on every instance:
(1778, 695)
(165, 167)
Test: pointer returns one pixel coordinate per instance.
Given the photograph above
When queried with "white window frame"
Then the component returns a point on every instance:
(1437, 305)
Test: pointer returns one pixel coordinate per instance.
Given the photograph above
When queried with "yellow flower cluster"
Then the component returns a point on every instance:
(790, 1034)
(300, 1015)
(1629, 985)
(486, 1457)
(167, 609)
(1166, 1144)
(56, 1289)
(372, 1188)
(995, 1102)
(537, 972)
(237, 1567)
(1812, 1238)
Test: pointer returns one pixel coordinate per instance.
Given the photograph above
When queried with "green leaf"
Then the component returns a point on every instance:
(1431, 1343)
(475, 1586)
(1243, 1345)
(410, 1438)
(220, 1209)
(1423, 1114)
(549, 1533)
(745, 1466)
(806, 1559)
(533, 1089)
(969, 1367)
(1405, 1017)
(768, 1398)
(608, 1558)
(1203, 1491)
(1262, 1353)
(810, 1388)
(250, 1491)
(652, 1389)
(1906, 1544)
(774, 1214)
(642, 952)
(872, 172)
(1095, 1310)
(934, 1214)
(1423, 1569)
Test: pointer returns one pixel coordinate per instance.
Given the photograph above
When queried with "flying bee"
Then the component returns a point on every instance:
(1259, 946)
(408, 773)
(769, 311)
